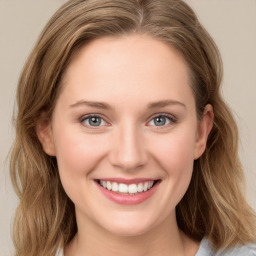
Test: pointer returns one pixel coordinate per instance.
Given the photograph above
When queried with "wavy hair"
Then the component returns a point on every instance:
(214, 204)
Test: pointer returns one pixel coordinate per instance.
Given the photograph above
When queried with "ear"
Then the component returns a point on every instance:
(203, 130)
(45, 135)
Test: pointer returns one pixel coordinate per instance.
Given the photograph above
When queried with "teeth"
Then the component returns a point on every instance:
(109, 185)
(115, 186)
(140, 187)
(125, 189)
(104, 184)
(132, 189)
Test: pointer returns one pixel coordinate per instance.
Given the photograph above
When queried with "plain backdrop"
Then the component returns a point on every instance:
(231, 23)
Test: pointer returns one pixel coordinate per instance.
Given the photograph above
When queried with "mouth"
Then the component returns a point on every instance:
(127, 189)
(127, 192)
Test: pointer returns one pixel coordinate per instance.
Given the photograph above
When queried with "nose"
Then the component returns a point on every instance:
(128, 152)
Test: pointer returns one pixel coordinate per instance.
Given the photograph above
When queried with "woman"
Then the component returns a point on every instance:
(122, 134)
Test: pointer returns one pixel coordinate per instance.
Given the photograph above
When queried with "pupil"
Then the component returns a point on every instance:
(160, 120)
(94, 121)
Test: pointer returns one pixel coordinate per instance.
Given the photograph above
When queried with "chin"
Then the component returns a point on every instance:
(128, 231)
(134, 227)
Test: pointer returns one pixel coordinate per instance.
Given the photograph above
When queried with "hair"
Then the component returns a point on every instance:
(214, 204)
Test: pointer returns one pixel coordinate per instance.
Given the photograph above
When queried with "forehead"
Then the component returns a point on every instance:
(124, 66)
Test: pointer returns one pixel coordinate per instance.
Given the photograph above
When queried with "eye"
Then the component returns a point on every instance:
(162, 120)
(93, 121)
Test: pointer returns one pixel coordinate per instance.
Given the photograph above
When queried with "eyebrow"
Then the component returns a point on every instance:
(103, 105)
(164, 103)
(94, 104)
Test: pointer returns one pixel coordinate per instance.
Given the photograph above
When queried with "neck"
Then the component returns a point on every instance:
(163, 240)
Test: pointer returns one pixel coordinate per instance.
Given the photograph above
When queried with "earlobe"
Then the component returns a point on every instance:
(45, 136)
(204, 128)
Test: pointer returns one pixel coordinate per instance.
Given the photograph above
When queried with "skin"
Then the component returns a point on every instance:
(127, 74)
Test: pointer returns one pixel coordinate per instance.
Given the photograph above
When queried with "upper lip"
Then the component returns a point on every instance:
(128, 181)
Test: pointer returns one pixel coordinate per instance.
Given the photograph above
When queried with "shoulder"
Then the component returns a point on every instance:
(245, 250)
(206, 249)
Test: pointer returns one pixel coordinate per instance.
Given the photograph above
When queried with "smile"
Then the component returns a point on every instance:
(127, 192)
(125, 188)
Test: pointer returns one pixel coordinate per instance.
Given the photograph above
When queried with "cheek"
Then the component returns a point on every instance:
(175, 155)
(77, 155)
(175, 152)
(77, 149)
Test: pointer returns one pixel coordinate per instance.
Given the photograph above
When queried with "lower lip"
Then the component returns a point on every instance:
(128, 199)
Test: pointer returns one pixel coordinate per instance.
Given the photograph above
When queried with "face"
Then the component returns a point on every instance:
(125, 133)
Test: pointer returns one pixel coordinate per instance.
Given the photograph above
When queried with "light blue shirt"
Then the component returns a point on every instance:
(206, 249)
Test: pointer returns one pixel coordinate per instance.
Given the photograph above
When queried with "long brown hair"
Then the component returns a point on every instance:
(213, 205)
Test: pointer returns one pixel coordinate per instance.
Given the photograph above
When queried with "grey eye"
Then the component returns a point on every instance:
(160, 121)
(94, 121)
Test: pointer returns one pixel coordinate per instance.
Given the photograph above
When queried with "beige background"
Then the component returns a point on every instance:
(232, 23)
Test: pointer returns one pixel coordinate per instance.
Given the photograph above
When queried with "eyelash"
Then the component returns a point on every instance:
(87, 117)
(172, 120)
